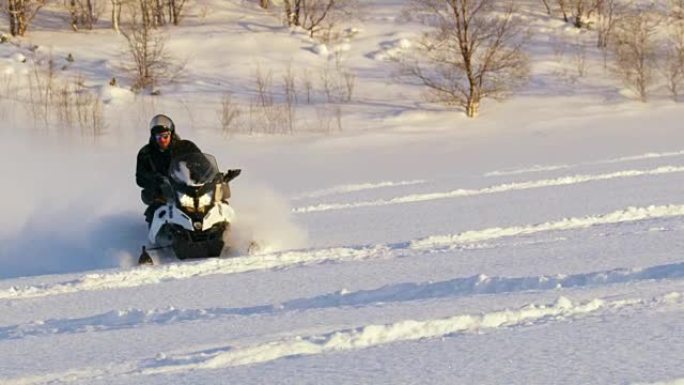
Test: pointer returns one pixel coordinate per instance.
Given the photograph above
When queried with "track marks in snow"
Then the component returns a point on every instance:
(348, 188)
(152, 275)
(343, 189)
(367, 336)
(678, 381)
(542, 168)
(631, 214)
(507, 187)
(272, 348)
(141, 276)
(403, 292)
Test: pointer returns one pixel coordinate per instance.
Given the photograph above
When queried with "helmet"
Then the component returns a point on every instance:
(161, 123)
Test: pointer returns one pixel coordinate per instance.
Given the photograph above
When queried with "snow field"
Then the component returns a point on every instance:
(538, 244)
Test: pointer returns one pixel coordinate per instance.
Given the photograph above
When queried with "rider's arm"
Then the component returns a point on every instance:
(145, 175)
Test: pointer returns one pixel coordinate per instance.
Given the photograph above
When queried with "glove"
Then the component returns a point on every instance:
(231, 174)
(160, 179)
(166, 188)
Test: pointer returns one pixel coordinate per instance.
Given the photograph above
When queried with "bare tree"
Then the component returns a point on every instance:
(563, 4)
(547, 6)
(472, 53)
(673, 63)
(21, 13)
(316, 12)
(316, 15)
(581, 10)
(117, 6)
(635, 48)
(176, 11)
(607, 12)
(229, 114)
(84, 13)
(151, 63)
(264, 4)
(292, 11)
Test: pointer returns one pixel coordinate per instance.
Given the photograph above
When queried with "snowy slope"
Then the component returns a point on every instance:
(413, 247)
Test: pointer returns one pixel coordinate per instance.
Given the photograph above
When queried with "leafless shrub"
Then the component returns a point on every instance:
(350, 83)
(266, 115)
(582, 10)
(40, 91)
(563, 6)
(580, 59)
(316, 16)
(264, 87)
(151, 64)
(289, 85)
(7, 95)
(62, 105)
(89, 113)
(324, 119)
(176, 10)
(329, 118)
(673, 63)
(21, 13)
(327, 83)
(337, 82)
(607, 15)
(472, 53)
(575, 11)
(117, 6)
(65, 105)
(307, 84)
(635, 49)
(338, 116)
(290, 96)
(274, 109)
(559, 48)
(84, 13)
(229, 115)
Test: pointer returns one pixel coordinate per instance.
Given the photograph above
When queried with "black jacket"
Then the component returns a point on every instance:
(154, 163)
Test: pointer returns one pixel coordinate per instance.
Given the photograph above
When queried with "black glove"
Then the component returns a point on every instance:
(159, 179)
(166, 188)
(231, 174)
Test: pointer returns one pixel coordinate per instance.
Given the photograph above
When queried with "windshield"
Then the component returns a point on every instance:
(195, 169)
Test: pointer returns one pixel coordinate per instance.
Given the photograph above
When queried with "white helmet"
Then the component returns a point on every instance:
(161, 123)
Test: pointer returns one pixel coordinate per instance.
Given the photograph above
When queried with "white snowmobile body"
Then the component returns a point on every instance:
(169, 214)
(196, 219)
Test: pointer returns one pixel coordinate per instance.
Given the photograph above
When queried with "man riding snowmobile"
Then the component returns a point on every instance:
(175, 174)
(154, 160)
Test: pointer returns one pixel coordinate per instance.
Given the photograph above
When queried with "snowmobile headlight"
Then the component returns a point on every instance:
(186, 201)
(204, 202)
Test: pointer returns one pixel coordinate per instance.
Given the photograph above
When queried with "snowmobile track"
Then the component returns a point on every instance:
(141, 276)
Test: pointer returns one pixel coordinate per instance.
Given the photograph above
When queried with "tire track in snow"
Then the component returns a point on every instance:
(678, 381)
(152, 275)
(368, 336)
(353, 339)
(507, 187)
(541, 168)
(403, 292)
(348, 188)
(631, 214)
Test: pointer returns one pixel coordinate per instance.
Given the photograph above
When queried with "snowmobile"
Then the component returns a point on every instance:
(194, 222)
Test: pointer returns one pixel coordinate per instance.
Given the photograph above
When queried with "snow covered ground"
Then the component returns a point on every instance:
(537, 244)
